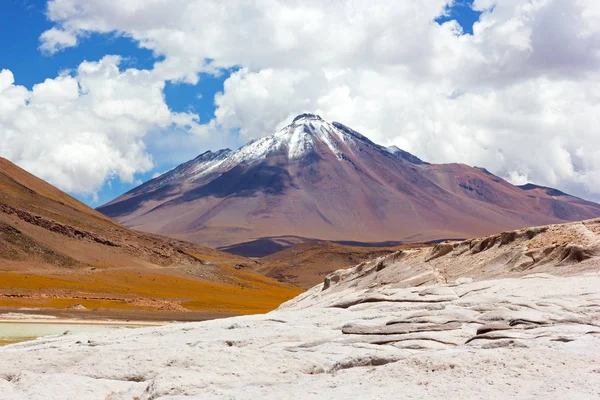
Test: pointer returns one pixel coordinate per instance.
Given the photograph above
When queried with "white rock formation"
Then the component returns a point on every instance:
(367, 333)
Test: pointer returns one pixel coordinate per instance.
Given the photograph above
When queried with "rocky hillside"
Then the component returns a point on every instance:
(566, 249)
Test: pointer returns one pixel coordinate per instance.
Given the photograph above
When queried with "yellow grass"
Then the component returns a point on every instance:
(249, 294)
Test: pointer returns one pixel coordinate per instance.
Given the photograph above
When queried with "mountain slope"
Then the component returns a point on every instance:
(55, 252)
(320, 180)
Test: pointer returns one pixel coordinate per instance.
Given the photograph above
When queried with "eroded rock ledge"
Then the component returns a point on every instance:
(565, 249)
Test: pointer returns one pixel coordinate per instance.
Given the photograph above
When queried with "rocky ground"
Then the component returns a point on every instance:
(515, 315)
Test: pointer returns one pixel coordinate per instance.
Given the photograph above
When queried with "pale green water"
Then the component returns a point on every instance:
(14, 332)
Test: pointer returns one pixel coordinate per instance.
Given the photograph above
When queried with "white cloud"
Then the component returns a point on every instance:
(54, 40)
(77, 131)
(520, 96)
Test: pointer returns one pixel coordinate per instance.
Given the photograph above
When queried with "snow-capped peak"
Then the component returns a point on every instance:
(296, 140)
(307, 116)
(300, 138)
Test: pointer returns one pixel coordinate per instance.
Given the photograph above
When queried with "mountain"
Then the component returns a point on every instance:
(319, 180)
(56, 253)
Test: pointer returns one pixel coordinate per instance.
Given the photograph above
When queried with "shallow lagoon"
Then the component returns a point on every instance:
(14, 332)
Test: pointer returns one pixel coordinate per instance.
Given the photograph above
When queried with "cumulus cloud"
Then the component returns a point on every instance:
(54, 40)
(520, 96)
(78, 130)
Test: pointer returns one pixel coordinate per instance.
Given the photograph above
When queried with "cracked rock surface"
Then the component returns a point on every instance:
(487, 331)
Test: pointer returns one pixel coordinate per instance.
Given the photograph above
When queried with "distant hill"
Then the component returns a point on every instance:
(306, 265)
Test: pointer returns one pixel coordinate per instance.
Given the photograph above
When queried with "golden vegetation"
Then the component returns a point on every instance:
(135, 289)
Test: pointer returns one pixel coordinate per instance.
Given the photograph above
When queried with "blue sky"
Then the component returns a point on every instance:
(461, 11)
(23, 21)
(272, 77)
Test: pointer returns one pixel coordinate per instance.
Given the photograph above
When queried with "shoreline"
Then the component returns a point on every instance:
(106, 316)
(19, 328)
(73, 321)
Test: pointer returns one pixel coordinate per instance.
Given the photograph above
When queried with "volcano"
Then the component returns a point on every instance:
(320, 180)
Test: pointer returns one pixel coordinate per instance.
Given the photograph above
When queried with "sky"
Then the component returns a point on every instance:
(99, 96)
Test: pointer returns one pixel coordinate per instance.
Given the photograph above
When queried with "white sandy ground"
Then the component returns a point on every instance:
(542, 341)
(515, 315)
